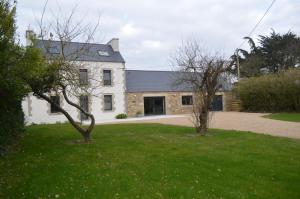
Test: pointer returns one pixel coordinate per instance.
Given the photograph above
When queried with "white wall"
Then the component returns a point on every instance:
(38, 110)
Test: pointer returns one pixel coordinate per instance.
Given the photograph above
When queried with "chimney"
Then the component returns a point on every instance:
(30, 35)
(114, 43)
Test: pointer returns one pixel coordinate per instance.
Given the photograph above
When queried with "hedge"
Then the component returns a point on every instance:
(12, 89)
(11, 124)
(271, 93)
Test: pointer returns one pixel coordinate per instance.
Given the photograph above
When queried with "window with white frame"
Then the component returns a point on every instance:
(108, 103)
(83, 76)
(107, 77)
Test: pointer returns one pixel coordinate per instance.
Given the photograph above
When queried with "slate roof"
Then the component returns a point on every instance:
(159, 81)
(76, 51)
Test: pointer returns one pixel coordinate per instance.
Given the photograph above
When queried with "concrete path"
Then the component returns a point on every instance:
(229, 120)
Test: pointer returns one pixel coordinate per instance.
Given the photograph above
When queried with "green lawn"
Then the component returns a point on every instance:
(150, 161)
(292, 117)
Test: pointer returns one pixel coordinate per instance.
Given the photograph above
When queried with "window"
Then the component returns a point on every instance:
(107, 102)
(83, 76)
(56, 100)
(107, 77)
(84, 104)
(103, 53)
(187, 100)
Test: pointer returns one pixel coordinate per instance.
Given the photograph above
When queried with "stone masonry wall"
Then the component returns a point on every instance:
(227, 101)
(135, 102)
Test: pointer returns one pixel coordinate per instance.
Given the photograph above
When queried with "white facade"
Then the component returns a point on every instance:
(38, 111)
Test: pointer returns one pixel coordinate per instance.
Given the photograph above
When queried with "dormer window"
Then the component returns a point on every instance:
(103, 53)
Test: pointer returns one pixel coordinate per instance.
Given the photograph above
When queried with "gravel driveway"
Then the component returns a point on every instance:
(235, 121)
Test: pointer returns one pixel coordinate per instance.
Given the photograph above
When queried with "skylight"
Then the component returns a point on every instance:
(103, 53)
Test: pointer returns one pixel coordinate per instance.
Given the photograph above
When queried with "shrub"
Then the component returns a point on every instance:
(121, 116)
(12, 124)
(12, 89)
(271, 93)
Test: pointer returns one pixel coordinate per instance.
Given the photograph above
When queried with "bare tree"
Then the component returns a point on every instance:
(61, 70)
(201, 71)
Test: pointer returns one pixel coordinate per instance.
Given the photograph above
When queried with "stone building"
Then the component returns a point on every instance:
(157, 93)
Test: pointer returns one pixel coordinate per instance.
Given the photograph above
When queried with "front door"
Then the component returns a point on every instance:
(154, 105)
(217, 104)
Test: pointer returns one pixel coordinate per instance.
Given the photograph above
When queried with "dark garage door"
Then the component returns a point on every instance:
(217, 104)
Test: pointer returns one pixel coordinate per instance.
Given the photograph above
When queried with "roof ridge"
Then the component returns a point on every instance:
(91, 55)
(74, 42)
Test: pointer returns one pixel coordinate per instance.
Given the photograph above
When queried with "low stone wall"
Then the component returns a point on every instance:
(135, 102)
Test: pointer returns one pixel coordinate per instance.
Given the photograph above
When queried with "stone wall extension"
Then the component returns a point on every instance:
(135, 102)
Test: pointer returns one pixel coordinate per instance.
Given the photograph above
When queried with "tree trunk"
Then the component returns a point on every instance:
(87, 137)
(203, 119)
(86, 133)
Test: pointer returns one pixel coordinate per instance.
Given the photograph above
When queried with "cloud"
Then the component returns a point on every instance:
(151, 44)
(129, 30)
(149, 31)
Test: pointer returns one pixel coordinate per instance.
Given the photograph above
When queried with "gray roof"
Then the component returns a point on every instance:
(76, 51)
(159, 81)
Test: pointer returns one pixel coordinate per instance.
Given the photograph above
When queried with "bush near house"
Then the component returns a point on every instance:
(271, 93)
(121, 116)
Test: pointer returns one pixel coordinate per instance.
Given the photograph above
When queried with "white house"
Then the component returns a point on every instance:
(131, 92)
(107, 65)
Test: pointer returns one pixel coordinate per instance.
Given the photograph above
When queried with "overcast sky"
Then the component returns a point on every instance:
(151, 30)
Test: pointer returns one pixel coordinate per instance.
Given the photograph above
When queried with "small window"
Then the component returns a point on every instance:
(103, 53)
(83, 76)
(107, 77)
(187, 100)
(107, 102)
(55, 100)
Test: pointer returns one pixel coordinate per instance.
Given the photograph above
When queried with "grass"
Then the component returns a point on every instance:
(291, 117)
(150, 161)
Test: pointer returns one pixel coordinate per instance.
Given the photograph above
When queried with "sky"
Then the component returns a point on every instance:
(150, 31)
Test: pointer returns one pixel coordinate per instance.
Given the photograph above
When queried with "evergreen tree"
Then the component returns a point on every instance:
(273, 54)
(11, 87)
